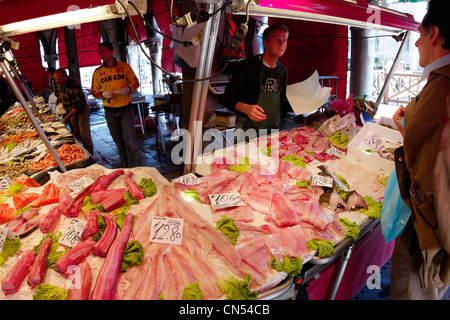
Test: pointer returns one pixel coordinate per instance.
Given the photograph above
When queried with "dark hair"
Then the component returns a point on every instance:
(437, 15)
(273, 28)
(106, 44)
(51, 70)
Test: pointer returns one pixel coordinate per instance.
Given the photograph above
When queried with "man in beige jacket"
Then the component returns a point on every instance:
(420, 262)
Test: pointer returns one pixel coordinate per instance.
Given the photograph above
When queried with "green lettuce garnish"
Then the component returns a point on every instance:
(88, 205)
(290, 265)
(353, 229)
(304, 183)
(50, 292)
(101, 223)
(133, 254)
(373, 208)
(193, 195)
(324, 248)
(295, 160)
(10, 247)
(193, 292)
(339, 140)
(54, 254)
(235, 289)
(240, 168)
(148, 187)
(267, 151)
(229, 228)
(14, 188)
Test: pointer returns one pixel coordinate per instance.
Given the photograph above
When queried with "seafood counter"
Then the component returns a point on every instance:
(256, 214)
(23, 152)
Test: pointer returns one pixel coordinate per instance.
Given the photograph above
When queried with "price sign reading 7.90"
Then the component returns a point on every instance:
(166, 230)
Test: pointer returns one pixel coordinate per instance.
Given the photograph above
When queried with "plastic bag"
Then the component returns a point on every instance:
(395, 213)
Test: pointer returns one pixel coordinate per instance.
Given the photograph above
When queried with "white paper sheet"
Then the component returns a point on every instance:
(307, 96)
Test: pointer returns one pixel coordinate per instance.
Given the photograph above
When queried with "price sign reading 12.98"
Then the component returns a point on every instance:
(166, 230)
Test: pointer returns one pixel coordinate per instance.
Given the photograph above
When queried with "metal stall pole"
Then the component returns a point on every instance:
(27, 109)
(199, 74)
(341, 272)
(26, 89)
(394, 65)
(205, 84)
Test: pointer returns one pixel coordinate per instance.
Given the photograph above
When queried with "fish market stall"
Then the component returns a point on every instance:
(23, 152)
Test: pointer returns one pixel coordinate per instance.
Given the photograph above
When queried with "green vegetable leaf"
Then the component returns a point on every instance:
(14, 188)
(290, 265)
(353, 229)
(133, 254)
(294, 159)
(148, 187)
(229, 228)
(193, 292)
(324, 248)
(50, 292)
(339, 140)
(373, 208)
(9, 249)
(235, 289)
(192, 194)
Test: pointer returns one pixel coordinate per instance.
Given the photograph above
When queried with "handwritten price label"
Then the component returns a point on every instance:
(335, 152)
(166, 230)
(80, 184)
(374, 142)
(225, 200)
(322, 181)
(5, 233)
(73, 233)
(189, 179)
(5, 182)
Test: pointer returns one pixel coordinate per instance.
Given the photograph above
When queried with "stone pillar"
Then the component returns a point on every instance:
(362, 62)
(48, 40)
(72, 53)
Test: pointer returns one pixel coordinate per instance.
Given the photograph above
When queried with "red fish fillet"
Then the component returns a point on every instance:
(108, 278)
(40, 264)
(50, 220)
(81, 289)
(17, 274)
(102, 246)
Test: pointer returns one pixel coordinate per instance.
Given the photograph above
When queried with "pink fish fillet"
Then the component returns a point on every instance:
(202, 271)
(50, 220)
(17, 274)
(106, 180)
(40, 264)
(91, 227)
(313, 213)
(81, 289)
(259, 198)
(221, 243)
(108, 278)
(283, 211)
(74, 256)
(256, 255)
(133, 187)
(102, 246)
(241, 213)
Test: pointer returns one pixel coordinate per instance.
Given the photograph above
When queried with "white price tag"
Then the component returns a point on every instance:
(166, 230)
(5, 182)
(18, 150)
(374, 142)
(73, 233)
(80, 184)
(4, 234)
(40, 156)
(225, 200)
(335, 152)
(322, 181)
(189, 179)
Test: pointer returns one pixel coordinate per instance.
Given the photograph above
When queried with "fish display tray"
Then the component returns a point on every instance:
(364, 140)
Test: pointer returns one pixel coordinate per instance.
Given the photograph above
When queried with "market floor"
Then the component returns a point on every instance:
(152, 155)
